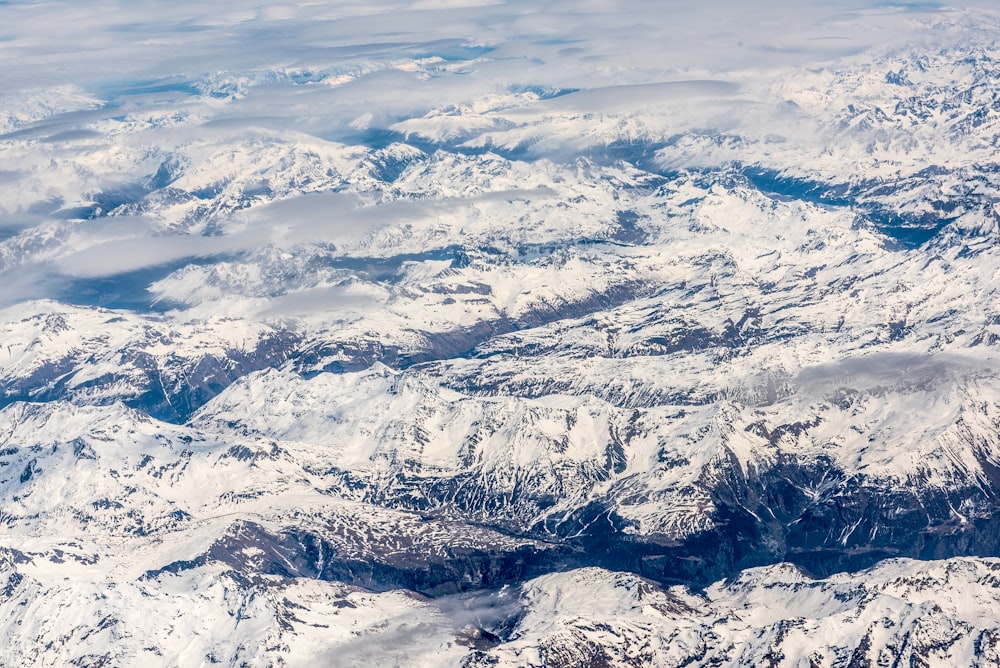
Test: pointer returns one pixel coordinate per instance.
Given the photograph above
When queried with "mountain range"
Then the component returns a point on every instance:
(693, 369)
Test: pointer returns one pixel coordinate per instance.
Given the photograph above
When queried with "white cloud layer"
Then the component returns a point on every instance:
(110, 45)
(96, 92)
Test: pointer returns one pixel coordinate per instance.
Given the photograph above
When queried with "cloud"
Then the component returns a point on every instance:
(322, 300)
(319, 68)
(417, 635)
(892, 370)
(97, 92)
(337, 217)
(641, 96)
(125, 255)
(127, 246)
(101, 41)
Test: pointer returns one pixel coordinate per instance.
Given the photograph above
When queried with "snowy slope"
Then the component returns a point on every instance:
(468, 334)
(924, 614)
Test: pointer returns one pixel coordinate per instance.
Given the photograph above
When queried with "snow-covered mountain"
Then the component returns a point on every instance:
(911, 613)
(499, 340)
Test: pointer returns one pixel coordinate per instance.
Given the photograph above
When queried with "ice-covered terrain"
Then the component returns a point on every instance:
(498, 334)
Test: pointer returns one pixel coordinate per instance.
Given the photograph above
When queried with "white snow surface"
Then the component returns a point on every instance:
(931, 613)
(305, 308)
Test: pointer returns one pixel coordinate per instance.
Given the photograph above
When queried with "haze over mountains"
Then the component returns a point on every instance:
(456, 333)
